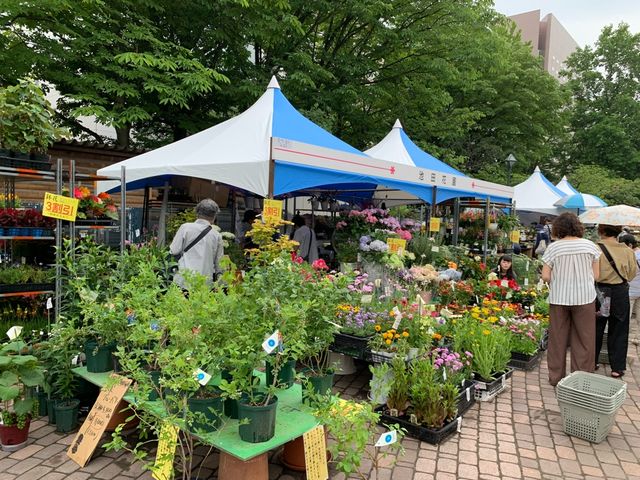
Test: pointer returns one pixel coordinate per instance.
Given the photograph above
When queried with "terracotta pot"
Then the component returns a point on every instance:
(293, 453)
(121, 417)
(232, 468)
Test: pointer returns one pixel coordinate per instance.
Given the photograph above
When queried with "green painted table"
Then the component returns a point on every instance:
(292, 420)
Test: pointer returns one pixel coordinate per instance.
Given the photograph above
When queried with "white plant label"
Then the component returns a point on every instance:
(49, 303)
(526, 282)
(377, 282)
(444, 374)
(137, 232)
(388, 438)
(435, 249)
(459, 424)
(23, 260)
(527, 267)
(14, 332)
(398, 314)
(453, 286)
(202, 377)
(74, 360)
(468, 394)
(366, 299)
(504, 283)
(270, 344)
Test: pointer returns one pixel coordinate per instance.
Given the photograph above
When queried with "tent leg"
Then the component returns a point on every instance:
(486, 231)
(456, 220)
(162, 224)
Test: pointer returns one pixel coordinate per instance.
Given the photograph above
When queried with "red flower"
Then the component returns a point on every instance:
(77, 193)
(320, 264)
(296, 258)
(104, 196)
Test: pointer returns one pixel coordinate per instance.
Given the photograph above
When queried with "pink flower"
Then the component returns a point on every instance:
(320, 264)
(340, 225)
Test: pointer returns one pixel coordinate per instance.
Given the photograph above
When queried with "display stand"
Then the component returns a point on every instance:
(293, 420)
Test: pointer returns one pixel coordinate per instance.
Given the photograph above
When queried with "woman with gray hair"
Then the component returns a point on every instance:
(197, 245)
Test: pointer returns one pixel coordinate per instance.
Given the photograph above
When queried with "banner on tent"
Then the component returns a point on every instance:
(330, 159)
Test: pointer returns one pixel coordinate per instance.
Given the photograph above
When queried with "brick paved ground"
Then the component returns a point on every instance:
(517, 436)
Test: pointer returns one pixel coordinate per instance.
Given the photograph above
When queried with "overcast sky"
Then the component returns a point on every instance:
(584, 19)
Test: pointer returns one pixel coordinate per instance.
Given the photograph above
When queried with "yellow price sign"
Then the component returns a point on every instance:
(272, 210)
(397, 245)
(168, 441)
(57, 206)
(515, 236)
(434, 224)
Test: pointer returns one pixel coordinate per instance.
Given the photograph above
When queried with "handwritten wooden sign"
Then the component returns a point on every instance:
(58, 206)
(91, 431)
(315, 454)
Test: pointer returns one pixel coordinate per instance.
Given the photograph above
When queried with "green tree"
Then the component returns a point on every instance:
(605, 113)
(604, 183)
(109, 60)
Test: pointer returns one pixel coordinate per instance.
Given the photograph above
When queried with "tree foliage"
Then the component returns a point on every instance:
(604, 183)
(454, 71)
(605, 113)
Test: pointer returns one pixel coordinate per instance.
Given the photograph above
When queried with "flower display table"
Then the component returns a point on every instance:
(292, 421)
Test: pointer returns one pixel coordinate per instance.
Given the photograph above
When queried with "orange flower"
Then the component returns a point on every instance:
(436, 336)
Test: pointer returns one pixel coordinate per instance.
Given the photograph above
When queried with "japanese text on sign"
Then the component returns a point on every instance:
(91, 431)
(57, 206)
(272, 210)
(515, 236)
(397, 245)
(315, 454)
(434, 224)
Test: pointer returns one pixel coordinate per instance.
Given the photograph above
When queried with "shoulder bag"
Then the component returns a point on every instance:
(178, 256)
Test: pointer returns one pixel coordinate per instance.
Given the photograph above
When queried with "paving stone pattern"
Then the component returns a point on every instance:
(517, 436)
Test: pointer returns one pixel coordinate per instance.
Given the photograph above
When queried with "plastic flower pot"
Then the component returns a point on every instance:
(211, 408)
(321, 384)
(42, 404)
(51, 409)
(98, 357)
(67, 415)
(262, 421)
(286, 375)
(13, 438)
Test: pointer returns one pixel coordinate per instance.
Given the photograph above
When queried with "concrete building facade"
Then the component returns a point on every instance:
(548, 38)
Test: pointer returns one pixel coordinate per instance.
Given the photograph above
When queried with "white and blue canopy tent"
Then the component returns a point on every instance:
(536, 196)
(271, 150)
(398, 148)
(566, 187)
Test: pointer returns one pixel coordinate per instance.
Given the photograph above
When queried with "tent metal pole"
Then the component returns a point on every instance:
(59, 235)
(486, 230)
(272, 168)
(72, 186)
(162, 223)
(123, 209)
(456, 220)
(144, 225)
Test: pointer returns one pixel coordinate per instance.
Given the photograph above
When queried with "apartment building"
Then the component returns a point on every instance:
(548, 38)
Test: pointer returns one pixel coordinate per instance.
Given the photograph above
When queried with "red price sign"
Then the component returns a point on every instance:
(272, 210)
(57, 206)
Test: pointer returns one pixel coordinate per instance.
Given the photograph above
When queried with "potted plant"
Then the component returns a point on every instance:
(19, 374)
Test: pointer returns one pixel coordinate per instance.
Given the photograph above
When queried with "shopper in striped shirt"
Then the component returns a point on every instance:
(571, 268)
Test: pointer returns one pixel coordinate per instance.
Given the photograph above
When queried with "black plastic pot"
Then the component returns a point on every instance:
(67, 415)
(51, 410)
(212, 409)
(321, 384)
(42, 404)
(262, 421)
(98, 357)
(286, 375)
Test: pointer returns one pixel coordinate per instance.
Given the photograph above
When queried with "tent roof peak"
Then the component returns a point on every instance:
(397, 124)
(273, 83)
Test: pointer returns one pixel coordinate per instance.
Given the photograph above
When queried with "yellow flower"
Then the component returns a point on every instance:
(475, 315)
(405, 334)
(388, 342)
(485, 311)
(436, 336)
(392, 313)
(378, 328)
(493, 319)
(397, 335)
(486, 332)
(534, 294)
